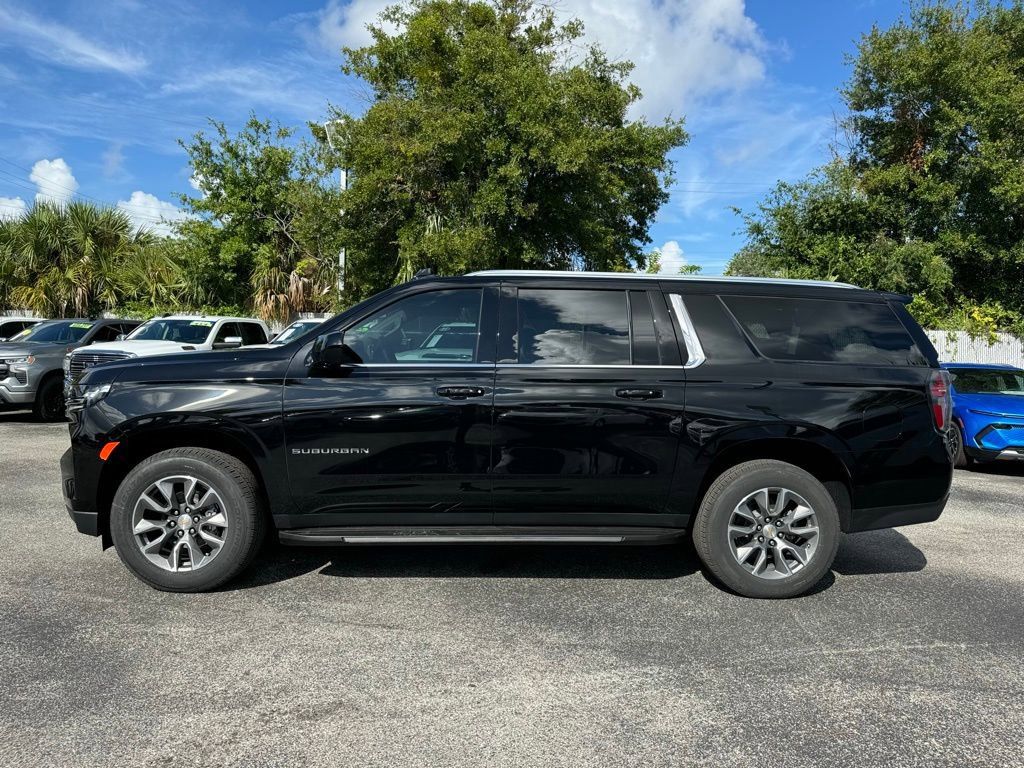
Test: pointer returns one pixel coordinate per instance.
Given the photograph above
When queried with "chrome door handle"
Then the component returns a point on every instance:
(461, 393)
(638, 394)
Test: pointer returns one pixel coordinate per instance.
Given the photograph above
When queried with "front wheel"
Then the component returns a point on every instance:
(188, 519)
(956, 444)
(49, 402)
(767, 529)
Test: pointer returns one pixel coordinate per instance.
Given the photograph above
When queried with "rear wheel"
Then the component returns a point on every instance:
(188, 519)
(49, 402)
(767, 529)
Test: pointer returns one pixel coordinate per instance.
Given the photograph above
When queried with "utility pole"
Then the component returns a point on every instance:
(329, 128)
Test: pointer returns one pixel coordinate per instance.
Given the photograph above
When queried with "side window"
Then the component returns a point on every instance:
(252, 333)
(821, 330)
(106, 333)
(432, 327)
(226, 330)
(572, 327)
(9, 329)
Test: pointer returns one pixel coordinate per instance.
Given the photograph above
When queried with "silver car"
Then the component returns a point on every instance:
(31, 364)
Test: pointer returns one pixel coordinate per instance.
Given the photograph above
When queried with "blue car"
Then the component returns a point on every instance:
(988, 412)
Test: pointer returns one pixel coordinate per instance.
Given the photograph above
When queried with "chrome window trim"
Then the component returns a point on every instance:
(694, 350)
(657, 278)
(584, 365)
(507, 365)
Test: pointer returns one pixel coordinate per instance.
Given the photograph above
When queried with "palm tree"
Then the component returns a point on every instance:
(70, 260)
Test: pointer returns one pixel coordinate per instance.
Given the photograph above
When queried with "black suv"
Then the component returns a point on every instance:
(761, 417)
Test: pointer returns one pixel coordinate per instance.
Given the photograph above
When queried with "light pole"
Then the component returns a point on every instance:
(329, 128)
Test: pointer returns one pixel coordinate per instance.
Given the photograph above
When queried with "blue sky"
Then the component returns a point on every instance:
(94, 95)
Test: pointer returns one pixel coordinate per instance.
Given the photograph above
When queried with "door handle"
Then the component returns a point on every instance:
(461, 393)
(638, 394)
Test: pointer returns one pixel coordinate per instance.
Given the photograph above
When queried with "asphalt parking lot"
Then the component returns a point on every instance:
(911, 654)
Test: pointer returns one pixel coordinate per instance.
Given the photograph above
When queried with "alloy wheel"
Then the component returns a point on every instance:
(773, 533)
(180, 523)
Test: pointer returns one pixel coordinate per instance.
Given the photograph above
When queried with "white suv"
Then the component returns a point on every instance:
(167, 335)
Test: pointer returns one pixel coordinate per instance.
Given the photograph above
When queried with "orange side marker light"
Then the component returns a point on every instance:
(108, 449)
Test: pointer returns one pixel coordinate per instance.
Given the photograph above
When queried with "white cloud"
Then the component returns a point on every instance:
(683, 50)
(49, 41)
(149, 212)
(113, 160)
(54, 181)
(342, 24)
(12, 208)
(672, 258)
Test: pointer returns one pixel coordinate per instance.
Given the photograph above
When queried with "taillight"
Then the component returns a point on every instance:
(942, 401)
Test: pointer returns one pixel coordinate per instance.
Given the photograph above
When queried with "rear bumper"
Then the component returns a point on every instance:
(86, 520)
(873, 518)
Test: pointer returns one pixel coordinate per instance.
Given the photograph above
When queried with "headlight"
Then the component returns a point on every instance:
(20, 360)
(91, 395)
(67, 364)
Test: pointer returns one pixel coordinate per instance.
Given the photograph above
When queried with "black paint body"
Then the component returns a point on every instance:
(377, 445)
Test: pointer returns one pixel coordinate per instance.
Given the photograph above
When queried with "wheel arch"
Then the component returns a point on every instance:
(136, 445)
(819, 460)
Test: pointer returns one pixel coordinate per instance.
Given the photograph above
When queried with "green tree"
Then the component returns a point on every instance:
(487, 146)
(266, 229)
(68, 260)
(929, 197)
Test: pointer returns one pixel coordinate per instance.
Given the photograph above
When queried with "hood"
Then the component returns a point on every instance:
(998, 405)
(142, 348)
(26, 348)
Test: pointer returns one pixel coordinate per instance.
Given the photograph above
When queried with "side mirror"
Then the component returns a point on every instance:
(230, 342)
(331, 351)
(120, 337)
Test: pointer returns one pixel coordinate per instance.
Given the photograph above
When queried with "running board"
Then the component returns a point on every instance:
(477, 535)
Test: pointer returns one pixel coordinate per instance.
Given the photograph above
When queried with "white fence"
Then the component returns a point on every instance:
(958, 346)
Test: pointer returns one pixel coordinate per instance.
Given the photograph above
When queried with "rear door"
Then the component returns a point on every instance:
(402, 437)
(588, 395)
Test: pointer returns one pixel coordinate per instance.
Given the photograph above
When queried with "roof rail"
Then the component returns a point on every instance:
(641, 276)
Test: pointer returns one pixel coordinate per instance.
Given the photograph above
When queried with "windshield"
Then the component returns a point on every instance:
(294, 330)
(166, 329)
(988, 381)
(67, 331)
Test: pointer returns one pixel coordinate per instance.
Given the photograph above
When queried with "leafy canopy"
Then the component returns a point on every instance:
(929, 196)
(487, 146)
(266, 227)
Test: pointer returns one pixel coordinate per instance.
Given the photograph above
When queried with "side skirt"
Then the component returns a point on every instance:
(478, 535)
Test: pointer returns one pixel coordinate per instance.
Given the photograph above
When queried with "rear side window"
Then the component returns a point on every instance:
(820, 330)
(573, 327)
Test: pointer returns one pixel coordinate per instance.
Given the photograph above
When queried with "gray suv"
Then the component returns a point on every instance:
(31, 366)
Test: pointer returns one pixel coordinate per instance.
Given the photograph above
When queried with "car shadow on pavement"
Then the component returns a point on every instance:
(17, 417)
(1006, 468)
(279, 563)
(872, 552)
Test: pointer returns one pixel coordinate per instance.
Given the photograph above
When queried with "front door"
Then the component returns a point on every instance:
(404, 436)
(588, 400)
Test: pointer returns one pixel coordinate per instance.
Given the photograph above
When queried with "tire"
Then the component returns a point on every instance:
(956, 436)
(719, 549)
(49, 402)
(236, 501)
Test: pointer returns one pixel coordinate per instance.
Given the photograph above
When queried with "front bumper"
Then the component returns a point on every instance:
(16, 396)
(86, 520)
(990, 437)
